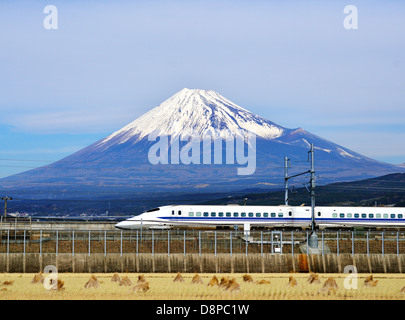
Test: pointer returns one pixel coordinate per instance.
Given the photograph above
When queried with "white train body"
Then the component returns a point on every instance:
(265, 216)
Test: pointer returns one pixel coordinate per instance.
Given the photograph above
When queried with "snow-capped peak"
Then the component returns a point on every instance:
(197, 111)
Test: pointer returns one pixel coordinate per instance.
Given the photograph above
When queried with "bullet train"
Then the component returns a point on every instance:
(265, 216)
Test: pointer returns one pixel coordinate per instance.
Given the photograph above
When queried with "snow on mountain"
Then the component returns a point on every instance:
(346, 154)
(199, 112)
(303, 139)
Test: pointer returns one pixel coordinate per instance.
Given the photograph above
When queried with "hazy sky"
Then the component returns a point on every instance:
(291, 62)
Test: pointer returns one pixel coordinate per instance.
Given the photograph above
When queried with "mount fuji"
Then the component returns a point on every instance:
(120, 162)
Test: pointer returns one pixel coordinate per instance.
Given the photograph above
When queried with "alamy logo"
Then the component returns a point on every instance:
(215, 147)
(351, 20)
(350, 281)
(51, 280)
(51, 20)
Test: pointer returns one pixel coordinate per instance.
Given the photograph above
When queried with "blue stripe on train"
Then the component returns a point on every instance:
(281, 219)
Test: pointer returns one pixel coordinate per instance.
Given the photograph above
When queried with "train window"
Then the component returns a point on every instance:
(250, 214)
(265, 214)
(258, 214)
(236, 214)
(356, 215)
(243, 214)
(213, 214)
(221, 214)
(349, 215)
(378, 215)
(319, 214)
(342, 215)
(392, 215)
(205, 214)
(400, 216)
(290, 213)
(228, 214)
(191, 214)
(334, 215)
(280, 215)
(370, 215)
(273, 215)
(172, 212)
(363, 215)
(385, 215)
(179, 212)
(152, 210)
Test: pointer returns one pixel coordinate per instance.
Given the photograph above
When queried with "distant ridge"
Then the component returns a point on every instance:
(388, 190)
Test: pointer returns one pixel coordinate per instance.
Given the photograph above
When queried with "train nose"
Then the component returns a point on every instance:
(124, 225)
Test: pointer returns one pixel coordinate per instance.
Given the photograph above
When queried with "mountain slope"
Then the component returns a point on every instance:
(120, 162)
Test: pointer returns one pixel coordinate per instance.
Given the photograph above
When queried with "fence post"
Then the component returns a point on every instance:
(337, 242)
(261, 243)
(168, 243)
(199, 242)
(246, 239)
(121, 245)
(40, 242)
(137, 248)
(105, 243)
(89, 242)
(24, 243)
(382, 243)
(231, 244)
(307, 244)
(184, 242)
(73, 243)
(8, 242)
(323, 244)
(57, 244)
(292, 242)
(397, 243)
(352, 242)
(215, 242)
(153, 243)
(368, 245)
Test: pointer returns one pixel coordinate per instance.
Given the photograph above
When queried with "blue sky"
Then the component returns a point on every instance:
(109, 62)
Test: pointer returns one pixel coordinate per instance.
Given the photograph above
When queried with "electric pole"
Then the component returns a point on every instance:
(286, 180)
(312, 184)
(313, 240)
(5, 204)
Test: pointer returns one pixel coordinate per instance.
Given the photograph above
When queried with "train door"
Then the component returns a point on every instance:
(318, 215)
(179, 214)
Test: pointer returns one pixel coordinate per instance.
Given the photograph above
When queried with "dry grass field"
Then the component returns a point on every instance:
(163, 287)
